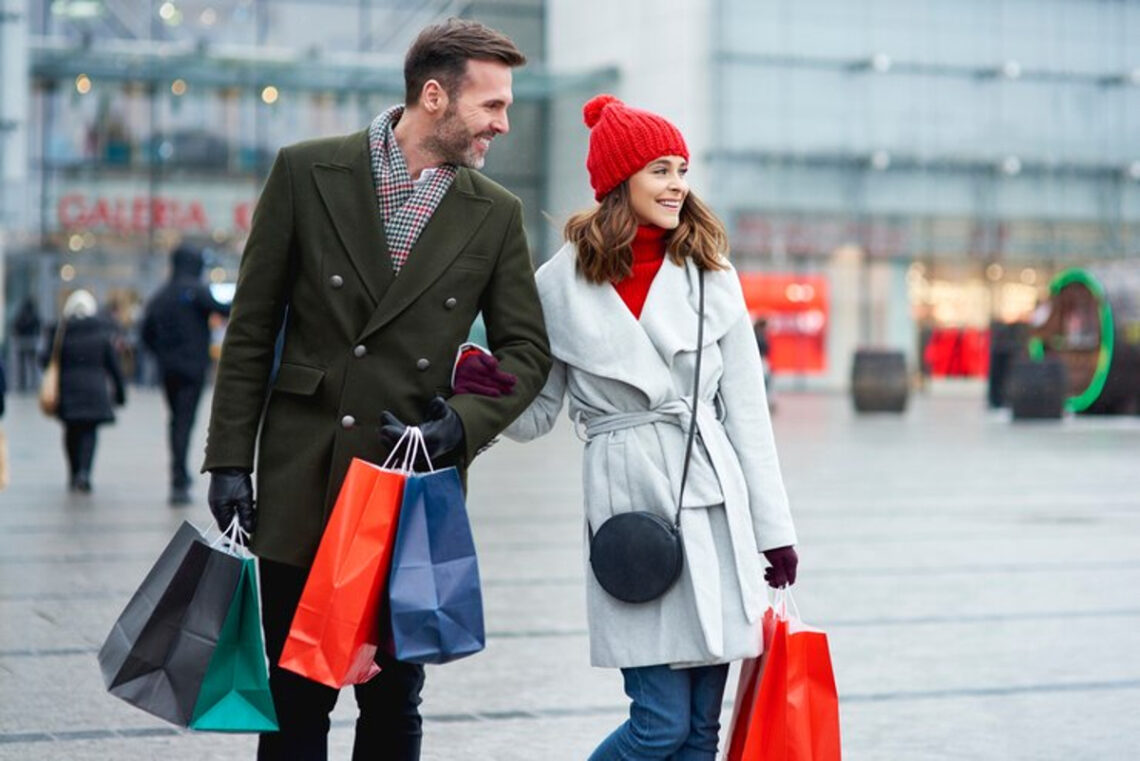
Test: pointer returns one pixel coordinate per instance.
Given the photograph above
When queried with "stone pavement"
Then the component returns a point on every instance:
(978, 580)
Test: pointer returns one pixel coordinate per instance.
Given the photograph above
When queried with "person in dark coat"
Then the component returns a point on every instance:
(375, 279)
(90, 381)
(26, 331)
(176, 327)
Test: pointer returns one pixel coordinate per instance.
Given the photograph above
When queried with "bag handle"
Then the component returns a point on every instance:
(57, 339)
(696, 398)
(233, 539)
(412, 443)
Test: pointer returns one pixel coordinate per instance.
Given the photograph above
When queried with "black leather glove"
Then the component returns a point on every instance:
(231, 492)
(782, 572)
(442, 429)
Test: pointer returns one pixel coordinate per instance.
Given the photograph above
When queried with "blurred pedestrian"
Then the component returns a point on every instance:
(90, 382)
(176, 328)
(26, 332)
(373, 252)
(622, 300)
(760, 329)
(3, 438)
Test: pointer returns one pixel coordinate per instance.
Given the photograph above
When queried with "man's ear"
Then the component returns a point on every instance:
(433, 98)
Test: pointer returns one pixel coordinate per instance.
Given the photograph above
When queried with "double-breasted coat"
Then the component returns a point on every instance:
(358, 339)
(629, 383)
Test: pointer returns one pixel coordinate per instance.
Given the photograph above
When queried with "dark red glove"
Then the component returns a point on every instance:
(479, 373)
(782, 572)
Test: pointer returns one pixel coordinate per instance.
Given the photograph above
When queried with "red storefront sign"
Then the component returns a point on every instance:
(796, 309)
(136, 214)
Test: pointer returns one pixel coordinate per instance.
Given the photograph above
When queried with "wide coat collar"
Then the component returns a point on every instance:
(347, 191)
(591, 328)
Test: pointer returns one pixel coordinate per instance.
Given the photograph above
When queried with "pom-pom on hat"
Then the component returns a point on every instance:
(623, 140)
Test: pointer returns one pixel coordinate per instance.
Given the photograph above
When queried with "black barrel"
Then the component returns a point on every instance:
(1037, 390)
(1008, 342)
(879, 381)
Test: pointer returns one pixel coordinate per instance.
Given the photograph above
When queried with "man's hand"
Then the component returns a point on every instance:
(442, 429)
(782, 572)
(231, 493)
(479, 373)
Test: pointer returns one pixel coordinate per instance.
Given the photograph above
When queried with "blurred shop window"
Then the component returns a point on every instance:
(196, 149)
(254, 158)
(116, 144)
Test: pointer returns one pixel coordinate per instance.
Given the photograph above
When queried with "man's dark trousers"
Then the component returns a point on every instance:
(182, 395)
(389, 725)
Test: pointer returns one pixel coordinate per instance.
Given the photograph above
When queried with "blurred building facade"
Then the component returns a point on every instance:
(927, 164)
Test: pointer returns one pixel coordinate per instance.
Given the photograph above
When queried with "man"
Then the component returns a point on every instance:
(375, 251)
(176, 327)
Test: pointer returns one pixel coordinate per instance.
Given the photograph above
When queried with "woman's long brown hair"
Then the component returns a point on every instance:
(604, 237)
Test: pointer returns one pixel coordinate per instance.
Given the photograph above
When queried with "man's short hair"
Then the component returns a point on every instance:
(441, 52)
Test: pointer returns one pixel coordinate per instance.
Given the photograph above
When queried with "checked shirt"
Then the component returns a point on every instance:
(405, 206)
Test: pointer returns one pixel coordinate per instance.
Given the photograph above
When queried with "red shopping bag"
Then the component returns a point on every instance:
(787, 707)
(335, 630)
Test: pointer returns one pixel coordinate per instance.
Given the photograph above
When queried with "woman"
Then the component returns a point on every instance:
(621, 306)
(88, 371)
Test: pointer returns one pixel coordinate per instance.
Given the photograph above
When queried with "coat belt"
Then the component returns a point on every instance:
(675, 412)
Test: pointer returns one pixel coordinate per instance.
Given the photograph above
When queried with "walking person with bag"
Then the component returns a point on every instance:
(373, 253)
(90, 383)
(645, 314)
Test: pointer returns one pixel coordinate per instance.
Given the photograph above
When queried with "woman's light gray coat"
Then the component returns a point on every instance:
(629, 382)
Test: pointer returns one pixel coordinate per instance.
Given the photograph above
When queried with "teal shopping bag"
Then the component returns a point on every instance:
(234, 696)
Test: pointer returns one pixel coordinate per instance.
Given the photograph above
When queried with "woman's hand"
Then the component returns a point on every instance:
(782, 572)
(479, 373)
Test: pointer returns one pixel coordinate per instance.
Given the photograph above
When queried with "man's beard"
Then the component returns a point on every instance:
(453, 143)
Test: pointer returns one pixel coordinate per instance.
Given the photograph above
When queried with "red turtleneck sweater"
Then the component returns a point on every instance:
(648, 254)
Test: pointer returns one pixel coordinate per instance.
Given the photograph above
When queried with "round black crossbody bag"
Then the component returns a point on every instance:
(637, 556)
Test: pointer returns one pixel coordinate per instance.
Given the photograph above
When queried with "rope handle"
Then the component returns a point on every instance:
(412, 443)
(233, 540)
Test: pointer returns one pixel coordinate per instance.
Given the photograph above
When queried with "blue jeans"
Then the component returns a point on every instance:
(675, 714)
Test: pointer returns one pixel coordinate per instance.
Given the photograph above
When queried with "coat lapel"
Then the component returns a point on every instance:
(346, 188)
(669, 317)
(455, 220)
(591, 329)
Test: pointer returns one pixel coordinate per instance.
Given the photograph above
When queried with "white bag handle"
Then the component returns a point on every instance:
(781, 600)
(404, 440)
(412, 442)
(233, 540)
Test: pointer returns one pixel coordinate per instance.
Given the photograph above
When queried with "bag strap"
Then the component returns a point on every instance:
(696, 398)
(57, 339)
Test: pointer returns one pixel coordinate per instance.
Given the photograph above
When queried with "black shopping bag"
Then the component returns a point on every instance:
(158, 651)
(434, 596)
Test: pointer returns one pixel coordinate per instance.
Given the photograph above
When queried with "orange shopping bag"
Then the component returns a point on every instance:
(335, 630)
(787, 707)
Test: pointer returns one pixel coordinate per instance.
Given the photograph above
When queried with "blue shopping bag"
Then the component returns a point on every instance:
(434, 596)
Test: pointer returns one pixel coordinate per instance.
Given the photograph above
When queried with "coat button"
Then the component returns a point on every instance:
(336, 281)
(359, 351)
(422, 364)
(347, 422)
(450, 303)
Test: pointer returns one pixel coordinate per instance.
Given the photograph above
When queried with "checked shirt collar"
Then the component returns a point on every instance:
(404, 207)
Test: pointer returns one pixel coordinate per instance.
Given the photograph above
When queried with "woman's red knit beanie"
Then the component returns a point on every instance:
(623, 140)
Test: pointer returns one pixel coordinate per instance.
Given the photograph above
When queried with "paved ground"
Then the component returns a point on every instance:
(978, 580)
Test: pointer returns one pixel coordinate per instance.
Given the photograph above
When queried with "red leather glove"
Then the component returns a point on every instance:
(782, 572)
(479, 373)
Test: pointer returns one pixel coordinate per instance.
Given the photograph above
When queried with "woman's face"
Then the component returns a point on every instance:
(658, 191)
